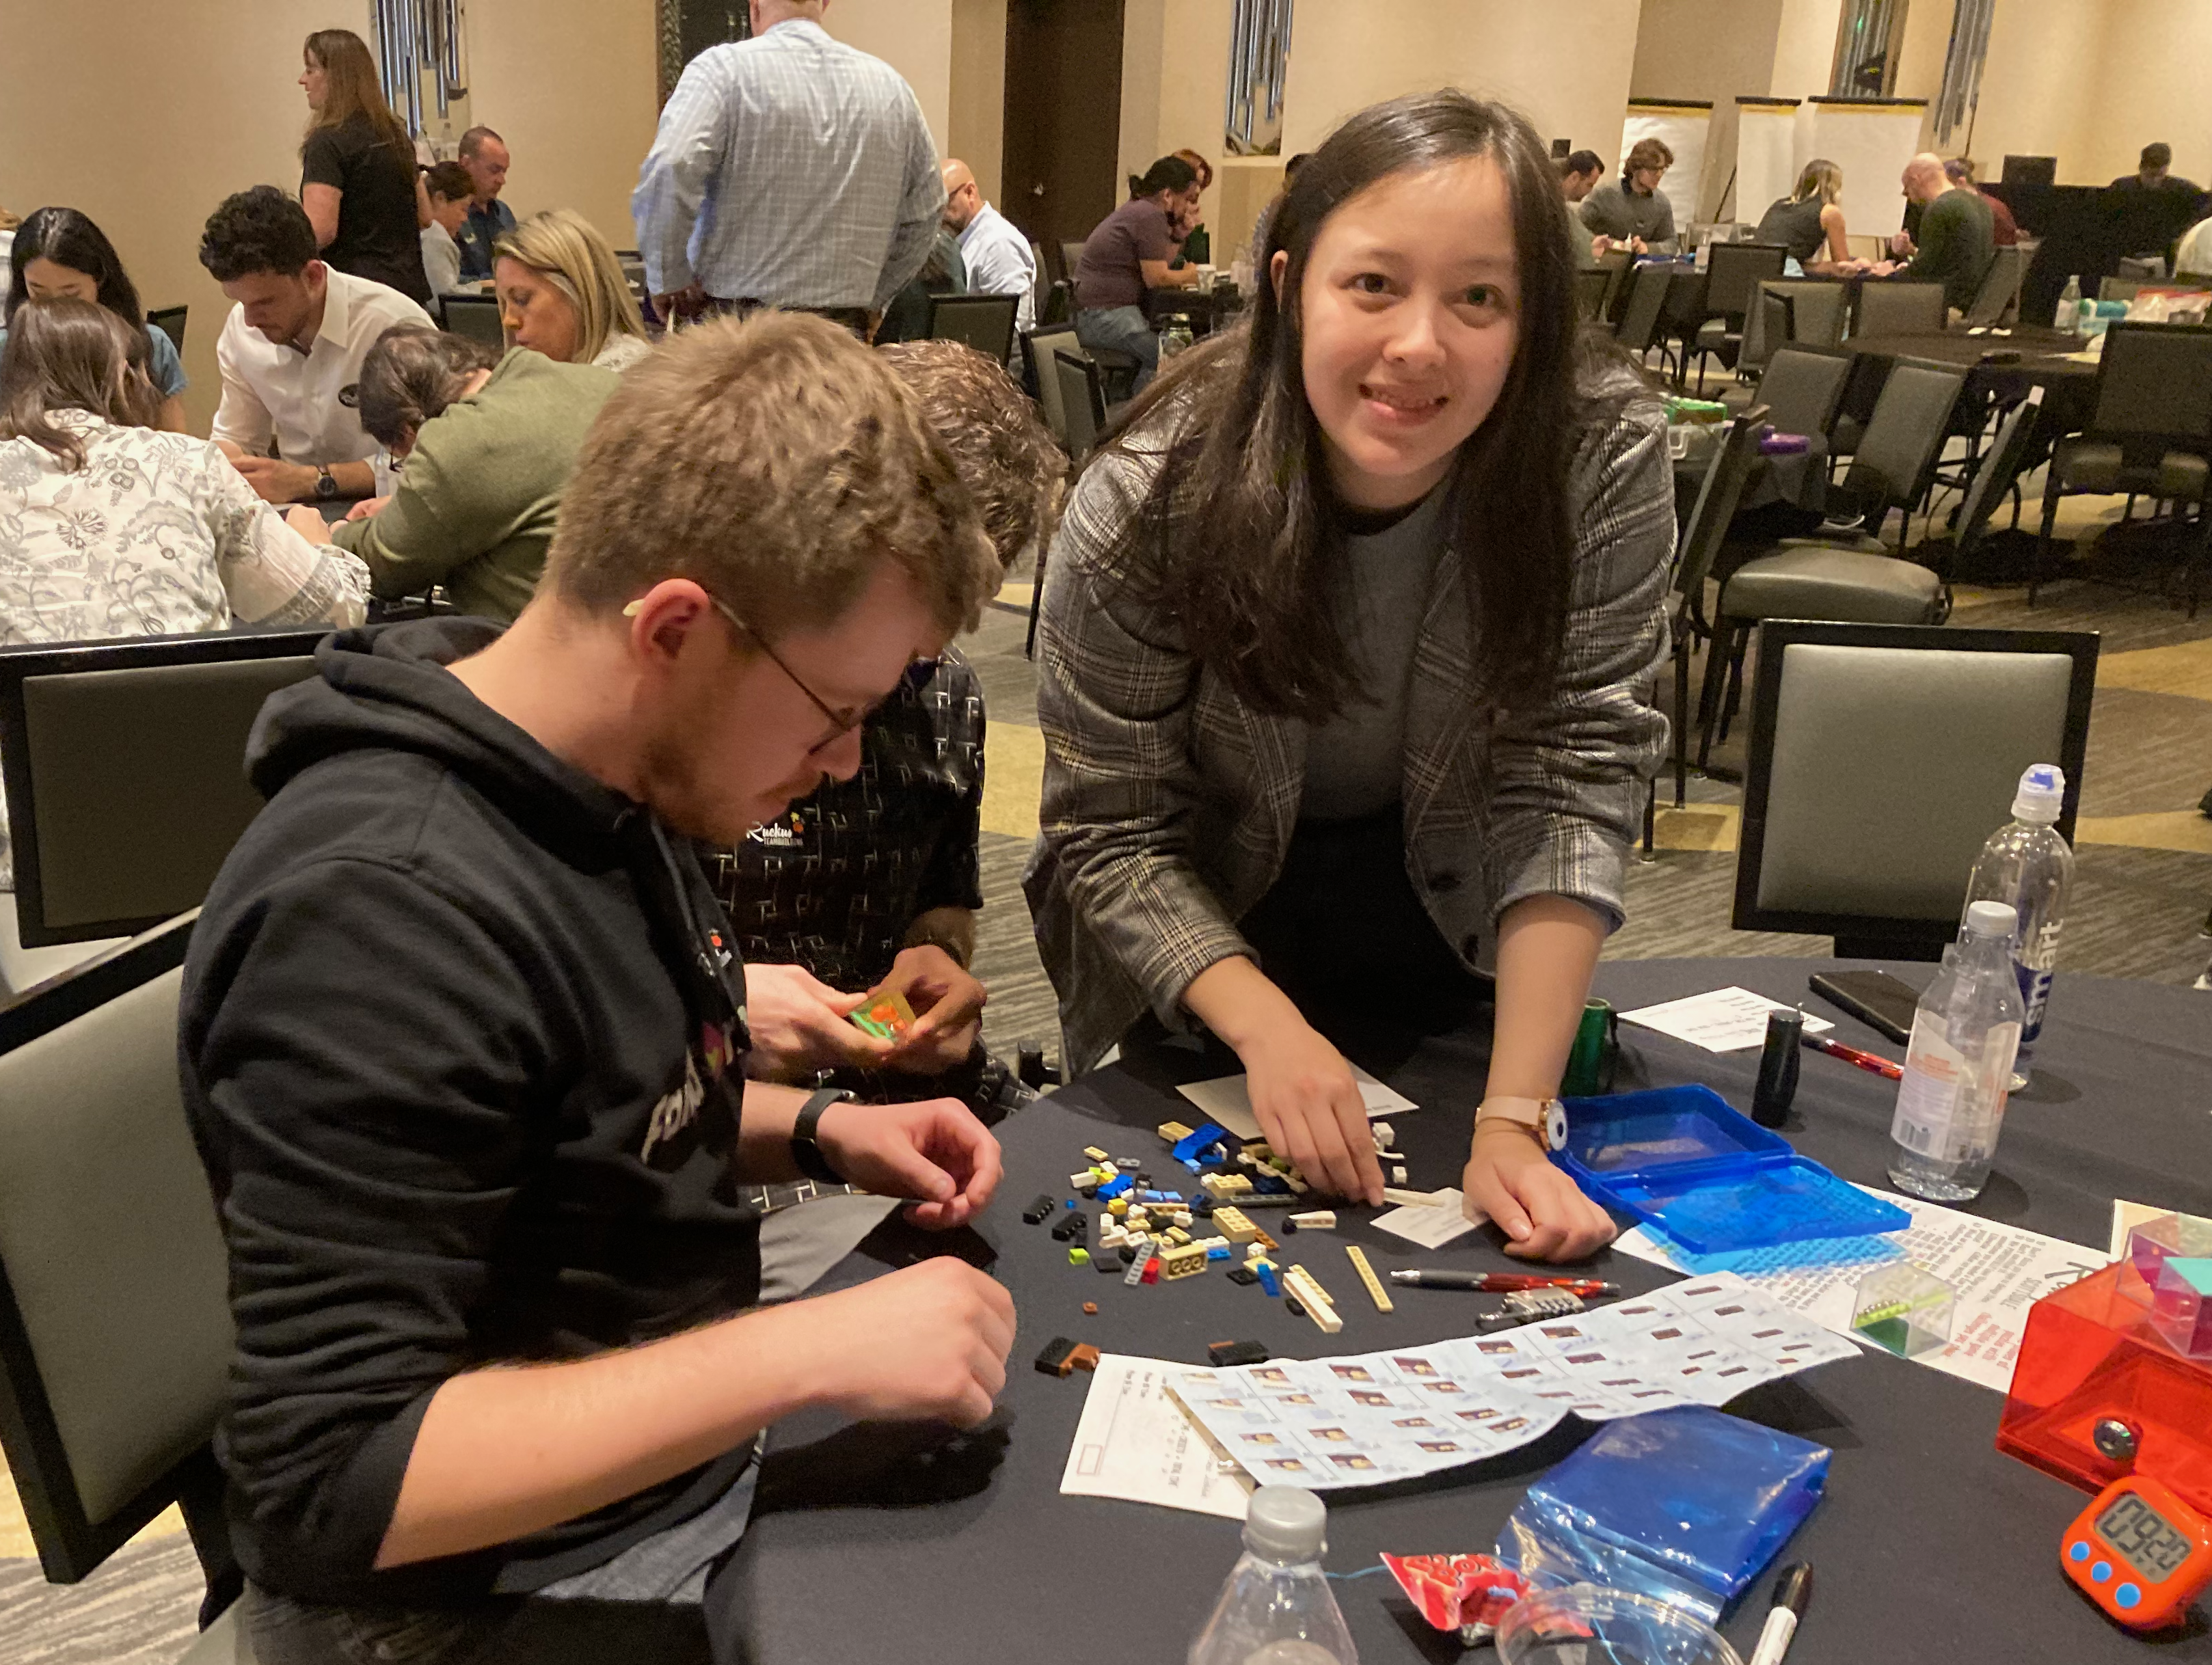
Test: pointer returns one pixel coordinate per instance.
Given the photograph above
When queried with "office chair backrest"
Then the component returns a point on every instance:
(1041, 277)
(1082, 402)
(2000, 287)
(1882, 756)
(985, 322)
(1801, 390)
(476, 316)
(115, 1329)
(124, 765)
(1071, 257)
(2155, 382)
(170, 321)
(1903, 436)
(1890, 308)
(1717, 498)
(1735, 269)
(2001, 465)
(1647, 299)
(1767, 324)
(1591, 284)
(1038, 347)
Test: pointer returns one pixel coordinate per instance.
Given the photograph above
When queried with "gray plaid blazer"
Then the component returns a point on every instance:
(1169, 803)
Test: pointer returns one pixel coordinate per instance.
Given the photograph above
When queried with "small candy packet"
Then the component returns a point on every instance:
(887, 1016)
(1468, 1594)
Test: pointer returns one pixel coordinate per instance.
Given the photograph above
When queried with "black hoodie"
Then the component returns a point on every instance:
(459, 1036)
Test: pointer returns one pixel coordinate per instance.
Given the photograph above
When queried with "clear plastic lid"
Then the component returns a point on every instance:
(1285, 1523)
(2041, 795)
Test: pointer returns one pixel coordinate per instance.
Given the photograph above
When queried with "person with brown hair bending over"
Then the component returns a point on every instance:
(1345, 664)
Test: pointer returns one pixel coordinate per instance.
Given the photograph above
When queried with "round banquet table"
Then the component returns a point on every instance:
(873, 1541)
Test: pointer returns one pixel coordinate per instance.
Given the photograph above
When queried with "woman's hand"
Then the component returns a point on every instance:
(800, 1024)
(1308, 1106)
(1543, 1213)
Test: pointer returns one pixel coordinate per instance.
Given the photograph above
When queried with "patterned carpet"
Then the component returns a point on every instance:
(2144, 885)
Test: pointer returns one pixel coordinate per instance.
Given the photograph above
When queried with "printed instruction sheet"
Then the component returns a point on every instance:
(1328, 1423)
(1997, 1272)
(1134, 1442)
(1725, 1020)
(1225, 1099)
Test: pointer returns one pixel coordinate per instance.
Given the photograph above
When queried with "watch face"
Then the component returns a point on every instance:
(1555, 1125)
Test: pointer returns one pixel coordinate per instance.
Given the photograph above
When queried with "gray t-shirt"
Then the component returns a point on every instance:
(1354, 761)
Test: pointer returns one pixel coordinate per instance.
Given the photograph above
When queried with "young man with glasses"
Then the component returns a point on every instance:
(463, 1041)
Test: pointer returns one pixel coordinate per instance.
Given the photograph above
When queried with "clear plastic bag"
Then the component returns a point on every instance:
(1685, 1506)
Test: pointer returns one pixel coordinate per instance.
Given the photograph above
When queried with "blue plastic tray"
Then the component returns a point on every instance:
(1681, 1161)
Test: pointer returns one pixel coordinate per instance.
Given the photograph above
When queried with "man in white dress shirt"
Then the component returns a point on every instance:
(296, 337)
(999, 258)
(790, 170)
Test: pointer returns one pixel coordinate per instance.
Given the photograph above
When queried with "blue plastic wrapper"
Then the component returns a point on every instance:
(1685, 1506)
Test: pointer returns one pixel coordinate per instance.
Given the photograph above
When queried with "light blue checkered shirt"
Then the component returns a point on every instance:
(789, 168)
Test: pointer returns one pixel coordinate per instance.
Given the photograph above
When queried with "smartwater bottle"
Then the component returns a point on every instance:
(1276, 1609)
(2030, 868)
(2069, 316)
(1957, 1065)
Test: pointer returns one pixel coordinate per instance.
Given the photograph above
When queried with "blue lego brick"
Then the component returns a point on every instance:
(1115, 1187)
(1204, 1139)
(1218, 1252)
(1268, 1281)
(1270, 1185)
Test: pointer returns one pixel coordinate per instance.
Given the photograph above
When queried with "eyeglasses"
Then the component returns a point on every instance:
(916, 676)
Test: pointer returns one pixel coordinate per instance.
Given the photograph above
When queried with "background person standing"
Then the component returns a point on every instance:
(357, 178)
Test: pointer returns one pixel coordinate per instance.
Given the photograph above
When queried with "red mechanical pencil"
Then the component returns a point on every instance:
(1872, 1062)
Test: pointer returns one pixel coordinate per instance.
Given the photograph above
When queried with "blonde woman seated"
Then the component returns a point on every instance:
(1809, 223)
(562, 294)
(110, 528)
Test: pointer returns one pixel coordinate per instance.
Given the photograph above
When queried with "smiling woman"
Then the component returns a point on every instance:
(1346, 653)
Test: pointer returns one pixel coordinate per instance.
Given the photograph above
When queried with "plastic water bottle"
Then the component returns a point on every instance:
(2068, 317)
(1276, 1609)
(1957, 1065)
(2030, 868)
(1175, 338)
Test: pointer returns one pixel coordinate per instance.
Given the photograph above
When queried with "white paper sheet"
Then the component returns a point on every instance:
(2126, 1217)
(1995, 1271)
(1431, 1228)
(1725, 1020)
(1134, 1443)
(1226, 1100)
(1385, 1416)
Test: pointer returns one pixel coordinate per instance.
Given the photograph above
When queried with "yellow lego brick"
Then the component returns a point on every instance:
(1171, 1132)
(1096, 1154)
(1359, 1264)
(1177, 1236)
(1119, 1206)
(1183, 1261)
(1235, 1224)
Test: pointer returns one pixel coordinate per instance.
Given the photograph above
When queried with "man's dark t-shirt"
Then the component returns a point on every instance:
(378, 236)
(833, 884)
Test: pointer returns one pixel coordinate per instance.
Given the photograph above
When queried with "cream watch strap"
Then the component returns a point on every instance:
(1546, 1118)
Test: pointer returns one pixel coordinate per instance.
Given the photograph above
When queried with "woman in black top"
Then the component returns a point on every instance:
(1809, 222)
(357, 176)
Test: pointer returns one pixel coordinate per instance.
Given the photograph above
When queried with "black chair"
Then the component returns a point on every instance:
(1891, 308)
(1733, 274)
(115, 1329)
(1640, 325)
(1694, 550)
(1999, 295)
(1881, 759)
(123, 764)
(1592, 284)
(1999, 471)
(1037, 348)
(985, 322)
(2149, 433)
(476, 316)
(170, 321)
(1071, 257)
(1801, 390)
(1083, 404)
(1896, 454)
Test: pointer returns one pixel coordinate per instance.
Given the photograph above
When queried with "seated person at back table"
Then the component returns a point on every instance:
(1809, 222)
(490, 442)
(1957, 236)
(110, 528)
(59, 251)
(873, 882)
(295, 337)
(449, 186)
(561, 293)
(462, 1042)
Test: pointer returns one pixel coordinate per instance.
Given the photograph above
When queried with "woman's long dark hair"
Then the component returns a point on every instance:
(70, 354)
(1252, 553)
(67, 238)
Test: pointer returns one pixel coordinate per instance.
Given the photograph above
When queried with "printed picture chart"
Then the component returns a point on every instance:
(1327, 1422)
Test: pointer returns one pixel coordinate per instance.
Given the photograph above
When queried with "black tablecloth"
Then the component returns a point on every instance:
(1928, 1546)
(2069, 387)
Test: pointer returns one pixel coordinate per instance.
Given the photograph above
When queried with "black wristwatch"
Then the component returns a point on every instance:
(805, 1154)
(326, 483)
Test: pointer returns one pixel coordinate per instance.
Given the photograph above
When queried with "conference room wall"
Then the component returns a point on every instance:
(1567, 64)
(976, 124)
(1175, 91)
(1714, 50)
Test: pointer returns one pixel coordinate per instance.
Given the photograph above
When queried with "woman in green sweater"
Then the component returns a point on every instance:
(489, 442)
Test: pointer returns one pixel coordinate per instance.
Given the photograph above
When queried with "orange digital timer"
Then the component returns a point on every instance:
(2140, 1552)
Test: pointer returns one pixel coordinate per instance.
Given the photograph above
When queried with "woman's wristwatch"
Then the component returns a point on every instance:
(1545, 1119)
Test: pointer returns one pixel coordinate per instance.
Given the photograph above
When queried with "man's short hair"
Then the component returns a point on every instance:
(450, 181)
(775, 462)
(1959, 171)
(472, 141)
(2157, 154)
(1004, 455)
(257, 230)
(1581, 162)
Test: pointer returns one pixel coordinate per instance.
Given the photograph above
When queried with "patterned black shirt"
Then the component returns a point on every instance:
(833, 883)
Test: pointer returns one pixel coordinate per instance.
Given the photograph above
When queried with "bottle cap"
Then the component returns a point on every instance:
(1285, 1523)
(1991, 919)
(2042, 792)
